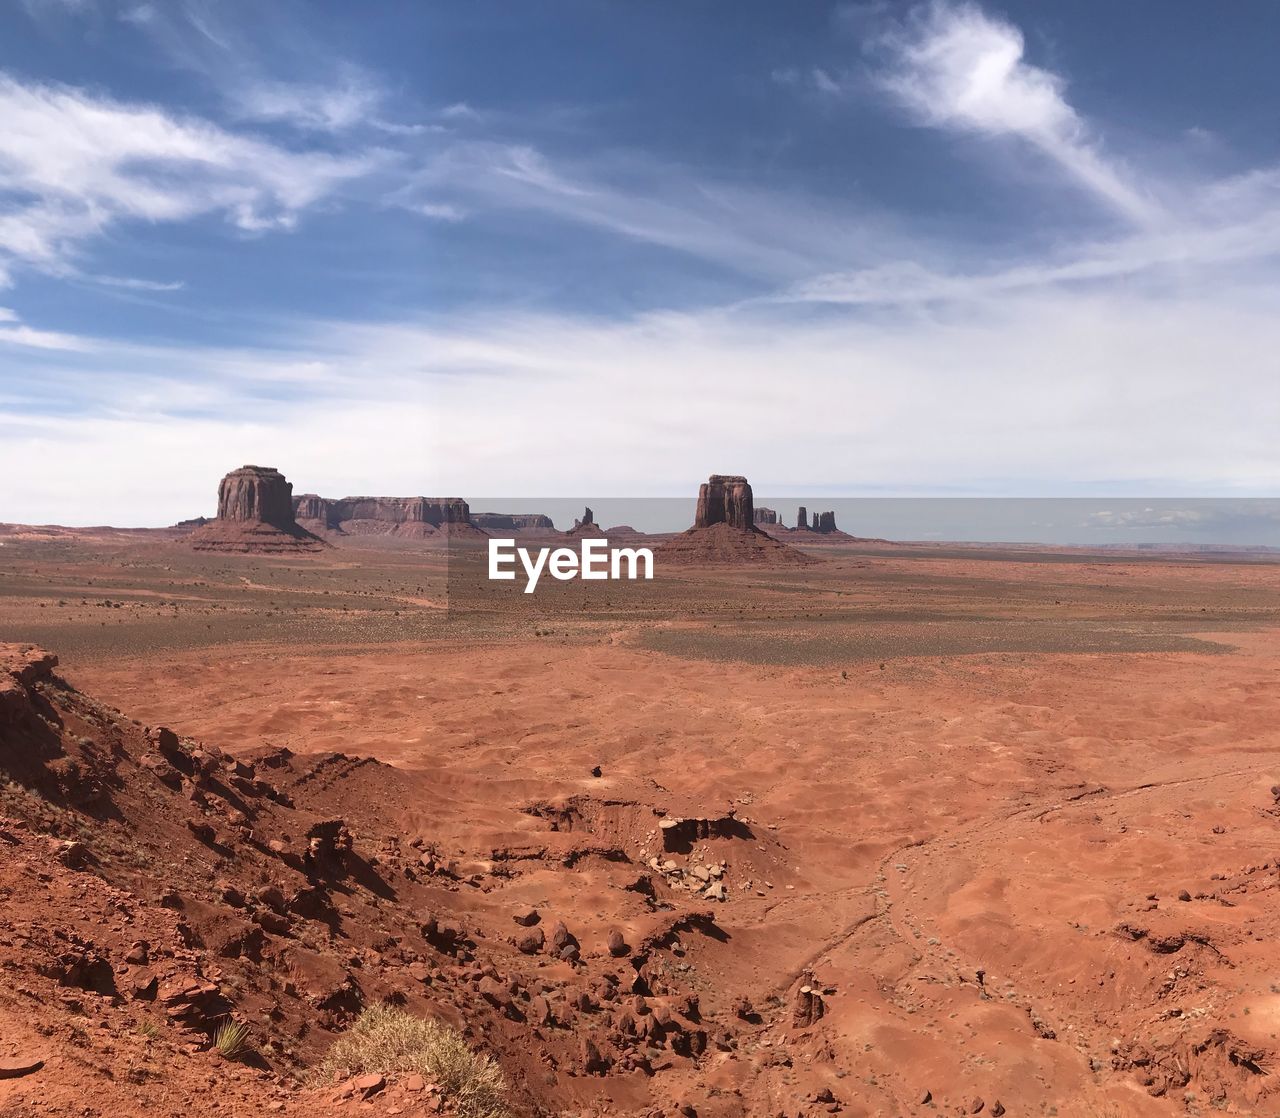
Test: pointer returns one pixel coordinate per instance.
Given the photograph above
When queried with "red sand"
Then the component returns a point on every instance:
(959, 799)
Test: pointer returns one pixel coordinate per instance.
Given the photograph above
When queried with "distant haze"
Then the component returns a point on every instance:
(1238, 522)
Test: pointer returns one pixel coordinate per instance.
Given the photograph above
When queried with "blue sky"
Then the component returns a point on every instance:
(946, 248)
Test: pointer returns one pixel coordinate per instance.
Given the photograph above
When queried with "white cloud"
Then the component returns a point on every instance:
(132, 283)
(13, 332)
(73, 164)
(1113, 390)
(952, 66)
(440, 211)
(750, 231)
(326, 108)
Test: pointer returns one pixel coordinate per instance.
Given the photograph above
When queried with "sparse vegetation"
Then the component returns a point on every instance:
(391, 1041)
(231, 1039)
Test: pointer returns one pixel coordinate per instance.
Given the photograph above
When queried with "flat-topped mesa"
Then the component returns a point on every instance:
(802, 519)
(766, 516)
(395, 516)
(826, 522)
(512, 521)
(256, 493)
(255, 516)
(725, 499)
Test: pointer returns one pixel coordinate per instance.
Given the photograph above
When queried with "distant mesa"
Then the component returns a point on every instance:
(255, 516)
(724, 532)
(530, 523)
(766, 516)
(412, 518)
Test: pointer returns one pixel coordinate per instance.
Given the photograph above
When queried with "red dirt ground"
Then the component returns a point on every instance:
(992, 827)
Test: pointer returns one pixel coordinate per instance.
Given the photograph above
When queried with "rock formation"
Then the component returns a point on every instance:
(824, 522)
(409, 517)
(256, 493)
(724, 531)
(725, 499)
(512, 522)
(586, 526)
(766, 516)
(255, 515)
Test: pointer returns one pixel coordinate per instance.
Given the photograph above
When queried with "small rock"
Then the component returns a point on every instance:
(526, 916)
(369, 1085)
(617, 944)
(531, 942)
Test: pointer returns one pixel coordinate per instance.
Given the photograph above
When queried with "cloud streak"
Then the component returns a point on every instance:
(953, 67)
(73, 165)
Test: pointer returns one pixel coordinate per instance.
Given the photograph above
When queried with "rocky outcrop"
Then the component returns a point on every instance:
(766, 516)
(310, 506)
(256, 494)
(824, 522)
(255, 516)
(724, 531)
(725, 499)
(586, 525)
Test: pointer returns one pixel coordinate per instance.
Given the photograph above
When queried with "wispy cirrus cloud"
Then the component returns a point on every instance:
(74, 164)
(14, 332)
(955, 67)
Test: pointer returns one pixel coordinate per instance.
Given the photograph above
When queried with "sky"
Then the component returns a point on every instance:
(858, 249)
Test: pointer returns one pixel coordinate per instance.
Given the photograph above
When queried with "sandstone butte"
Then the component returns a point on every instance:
(255, 515)
(724, 531)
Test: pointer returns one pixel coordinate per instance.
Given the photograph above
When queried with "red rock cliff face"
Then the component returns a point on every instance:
(393, 512)
(725, 499)
(309, 506)
(256, 494)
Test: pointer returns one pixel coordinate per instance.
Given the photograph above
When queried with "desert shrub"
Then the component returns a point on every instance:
(391, 1041)
(231, 1039)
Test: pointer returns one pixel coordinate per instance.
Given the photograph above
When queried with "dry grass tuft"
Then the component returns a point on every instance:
(391, 1041)
(231, 1039)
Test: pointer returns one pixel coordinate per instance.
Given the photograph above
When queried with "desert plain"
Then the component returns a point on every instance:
(910, 830)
